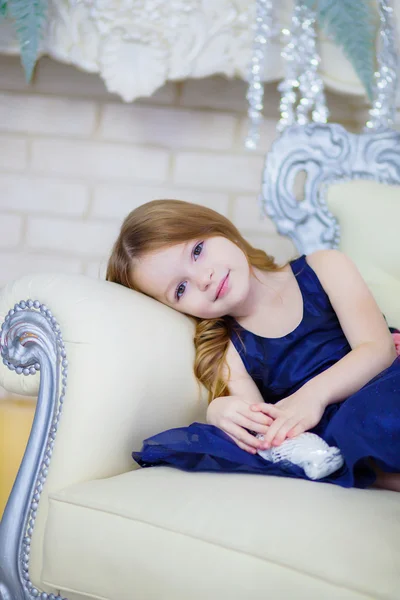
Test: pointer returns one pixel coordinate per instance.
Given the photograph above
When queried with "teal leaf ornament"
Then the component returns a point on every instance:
(3, 9)
(29, 18)
(353, 25)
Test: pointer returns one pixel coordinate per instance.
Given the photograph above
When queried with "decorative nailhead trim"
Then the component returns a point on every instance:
(32, 370)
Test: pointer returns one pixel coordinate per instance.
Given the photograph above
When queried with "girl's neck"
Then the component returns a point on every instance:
(264, 292)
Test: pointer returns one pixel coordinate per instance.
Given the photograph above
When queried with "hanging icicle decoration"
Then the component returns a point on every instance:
(264, 31)
(302, 85)
(383, 111)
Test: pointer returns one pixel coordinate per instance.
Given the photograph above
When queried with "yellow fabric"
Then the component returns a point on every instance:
(16, 416)
(164, 533)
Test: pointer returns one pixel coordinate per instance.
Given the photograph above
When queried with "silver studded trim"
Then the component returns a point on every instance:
(35, 305)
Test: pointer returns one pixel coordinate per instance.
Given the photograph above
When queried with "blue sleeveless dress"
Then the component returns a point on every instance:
(366, 425)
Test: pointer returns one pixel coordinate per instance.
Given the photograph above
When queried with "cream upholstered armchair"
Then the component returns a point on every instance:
(115, 367)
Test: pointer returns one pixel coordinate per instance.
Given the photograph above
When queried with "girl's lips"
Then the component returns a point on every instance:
(223, 287)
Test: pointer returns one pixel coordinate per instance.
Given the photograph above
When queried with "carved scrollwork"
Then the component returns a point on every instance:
(327, 153)
(31, 340)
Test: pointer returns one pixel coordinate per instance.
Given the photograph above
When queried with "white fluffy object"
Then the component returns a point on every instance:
(308, 451)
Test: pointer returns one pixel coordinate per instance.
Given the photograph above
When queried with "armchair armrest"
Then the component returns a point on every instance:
(130, 374)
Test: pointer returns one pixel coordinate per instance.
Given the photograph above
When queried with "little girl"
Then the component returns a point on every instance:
(281, 349)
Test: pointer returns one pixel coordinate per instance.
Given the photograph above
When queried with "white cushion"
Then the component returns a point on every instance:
(163, 533)
(130, 376)
(368, 213)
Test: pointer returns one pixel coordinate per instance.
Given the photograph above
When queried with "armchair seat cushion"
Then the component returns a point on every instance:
(172, 535)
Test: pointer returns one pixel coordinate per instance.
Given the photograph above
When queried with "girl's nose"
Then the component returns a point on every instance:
(205, 279)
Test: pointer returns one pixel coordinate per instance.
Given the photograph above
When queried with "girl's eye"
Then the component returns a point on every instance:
(197, 250)
(180, 290)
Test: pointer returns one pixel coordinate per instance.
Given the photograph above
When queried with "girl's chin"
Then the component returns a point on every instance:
(215, 315)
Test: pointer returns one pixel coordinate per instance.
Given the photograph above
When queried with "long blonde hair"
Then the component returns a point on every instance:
(163, 223)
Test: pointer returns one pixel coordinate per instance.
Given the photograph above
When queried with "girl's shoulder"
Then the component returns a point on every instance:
(356, 309)
(330, 266)
(329, 256)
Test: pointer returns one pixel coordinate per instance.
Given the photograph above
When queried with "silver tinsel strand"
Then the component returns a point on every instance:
(383, 111)
(264, 31)
(302, 84)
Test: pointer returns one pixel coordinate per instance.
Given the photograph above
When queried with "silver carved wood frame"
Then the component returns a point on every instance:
(31, 340)
(327, 153)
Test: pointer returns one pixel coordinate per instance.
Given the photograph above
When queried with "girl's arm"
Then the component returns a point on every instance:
(363, 325)
(232, 413)
(372, 350)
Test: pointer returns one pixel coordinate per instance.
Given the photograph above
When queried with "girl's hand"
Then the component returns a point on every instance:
(233, 415)
(292, 416)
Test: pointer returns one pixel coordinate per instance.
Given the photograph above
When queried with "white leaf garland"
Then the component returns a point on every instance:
(131, 69)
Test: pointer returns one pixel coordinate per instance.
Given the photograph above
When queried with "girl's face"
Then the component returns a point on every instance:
(203, 278)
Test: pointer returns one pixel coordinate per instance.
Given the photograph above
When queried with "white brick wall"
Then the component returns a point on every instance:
(45, 116)
(248, 216)
(219, 171)
(13, 153)
(116, 201)
(96, 160)
(35, 194)
(16, 264)
(80, 238)
(10, 231)
(168, 127)
(74, 160)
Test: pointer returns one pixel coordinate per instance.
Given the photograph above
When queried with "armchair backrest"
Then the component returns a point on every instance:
(351, 200)
(369, 217)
